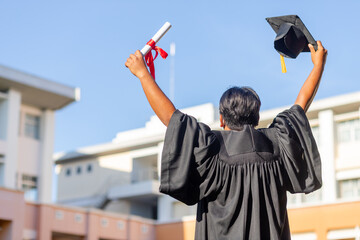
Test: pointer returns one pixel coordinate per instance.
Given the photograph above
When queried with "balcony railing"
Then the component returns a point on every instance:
(144, 175)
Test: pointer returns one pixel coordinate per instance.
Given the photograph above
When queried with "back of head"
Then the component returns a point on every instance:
(240, 106)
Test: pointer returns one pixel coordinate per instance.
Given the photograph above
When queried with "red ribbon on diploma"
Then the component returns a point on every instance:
(149, 57)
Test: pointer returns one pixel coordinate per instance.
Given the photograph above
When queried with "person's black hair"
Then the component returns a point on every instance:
(240, 106)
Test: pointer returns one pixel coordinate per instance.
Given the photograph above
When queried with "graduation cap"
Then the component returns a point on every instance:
(292, 36)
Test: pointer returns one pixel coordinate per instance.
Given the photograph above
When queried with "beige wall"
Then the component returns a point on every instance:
(20, 220)
(317, 219)
(12, 210)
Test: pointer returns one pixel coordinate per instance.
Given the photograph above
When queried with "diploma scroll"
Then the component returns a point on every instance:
(156, 37)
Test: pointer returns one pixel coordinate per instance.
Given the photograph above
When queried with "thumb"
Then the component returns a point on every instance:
(311, 47)
(138, 53)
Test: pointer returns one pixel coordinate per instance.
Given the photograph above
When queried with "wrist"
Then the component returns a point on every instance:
(143, 74)
(319, 65)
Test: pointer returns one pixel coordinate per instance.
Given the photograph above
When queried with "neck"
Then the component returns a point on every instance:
(226, 128)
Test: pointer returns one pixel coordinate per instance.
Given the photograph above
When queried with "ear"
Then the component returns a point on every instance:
(222, 122)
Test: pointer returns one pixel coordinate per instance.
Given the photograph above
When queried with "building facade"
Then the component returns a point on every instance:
(123, 175)
(38, 221)
(27, 107)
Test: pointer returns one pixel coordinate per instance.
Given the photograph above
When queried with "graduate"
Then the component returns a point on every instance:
(238, 177)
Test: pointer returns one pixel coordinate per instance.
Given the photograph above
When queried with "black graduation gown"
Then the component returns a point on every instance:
(239, 178)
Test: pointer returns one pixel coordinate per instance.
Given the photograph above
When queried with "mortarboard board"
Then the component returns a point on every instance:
(292, 36)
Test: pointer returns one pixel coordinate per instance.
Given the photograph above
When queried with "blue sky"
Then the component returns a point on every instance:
(85, 43)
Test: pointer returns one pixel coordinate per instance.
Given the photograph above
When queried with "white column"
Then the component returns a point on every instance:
(165, 208)
(164, 201)
(160, 148)
(327, 152)
(47, 129)
(11, 109)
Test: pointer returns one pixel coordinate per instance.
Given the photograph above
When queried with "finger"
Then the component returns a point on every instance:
(128, 62)
(138, 53)
(132, 56)
(319, 44)
(311, 47)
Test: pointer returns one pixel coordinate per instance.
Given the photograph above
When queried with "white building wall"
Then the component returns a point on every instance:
(103, 175)
(119, 206)
(11, 108)
(29, 150)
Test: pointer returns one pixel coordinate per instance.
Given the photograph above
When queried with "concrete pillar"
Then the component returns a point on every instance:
(327, 152)
(160, 147)
(45, 216)
(47, 128)
(165, 208)
(11, 111)
(92, 226)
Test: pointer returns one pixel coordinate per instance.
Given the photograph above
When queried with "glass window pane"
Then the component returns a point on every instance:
(349, 188)
(32, 126)
(68, 172)
(89, 167)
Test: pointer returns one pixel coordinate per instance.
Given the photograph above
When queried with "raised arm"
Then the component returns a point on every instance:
(310, 86)
(159, 102)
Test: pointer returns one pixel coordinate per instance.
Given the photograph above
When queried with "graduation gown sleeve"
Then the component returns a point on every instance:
(188, 165)
(298, 151)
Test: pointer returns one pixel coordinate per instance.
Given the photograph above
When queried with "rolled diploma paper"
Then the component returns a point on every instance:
(156, 37)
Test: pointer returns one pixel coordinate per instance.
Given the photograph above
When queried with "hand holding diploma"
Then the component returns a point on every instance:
(136, 65)
(151, 45)
(159, 102)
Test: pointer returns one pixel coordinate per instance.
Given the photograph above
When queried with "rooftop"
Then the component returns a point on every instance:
(36, 91)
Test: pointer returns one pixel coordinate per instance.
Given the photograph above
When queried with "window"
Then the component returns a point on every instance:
(89, 168)
(68, 172)
(29, 186)
(78, 170)
(59, 215)
(121, 225)
(348, 131)
(304, 236)
(78, 218)
(32, 126)
(104, 222)
(344, 234)
(2, 173)
(349, 188)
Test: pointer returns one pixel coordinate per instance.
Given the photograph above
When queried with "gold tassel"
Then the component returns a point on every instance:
(283, 67)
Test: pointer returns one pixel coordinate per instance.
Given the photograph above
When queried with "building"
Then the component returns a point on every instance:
(27, 107)
(122, 175)
(38, 221)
